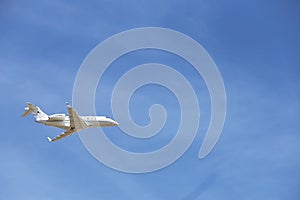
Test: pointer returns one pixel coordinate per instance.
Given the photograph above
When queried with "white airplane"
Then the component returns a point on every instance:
(71, 124)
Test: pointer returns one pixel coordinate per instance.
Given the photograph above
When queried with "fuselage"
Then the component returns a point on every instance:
(71, 124)
(63, 122)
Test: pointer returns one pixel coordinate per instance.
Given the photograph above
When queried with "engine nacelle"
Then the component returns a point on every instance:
(57, 117)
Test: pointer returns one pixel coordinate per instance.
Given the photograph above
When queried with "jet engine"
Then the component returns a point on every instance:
(57, 117)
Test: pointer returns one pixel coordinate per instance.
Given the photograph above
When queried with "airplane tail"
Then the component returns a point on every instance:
(36, 111)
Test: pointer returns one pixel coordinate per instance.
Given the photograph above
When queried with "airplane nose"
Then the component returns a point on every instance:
(114, 123)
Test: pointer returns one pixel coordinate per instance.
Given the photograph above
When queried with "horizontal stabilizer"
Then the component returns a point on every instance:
(29, 109)
(36, 111)
(27, 112)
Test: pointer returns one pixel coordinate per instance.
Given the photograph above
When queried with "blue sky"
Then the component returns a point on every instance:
(255, 45)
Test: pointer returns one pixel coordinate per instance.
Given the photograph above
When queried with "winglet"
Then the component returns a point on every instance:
(68, 105)
(50, 140)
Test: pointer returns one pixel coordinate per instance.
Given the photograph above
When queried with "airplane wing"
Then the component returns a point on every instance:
(76, 122)
(64, 134)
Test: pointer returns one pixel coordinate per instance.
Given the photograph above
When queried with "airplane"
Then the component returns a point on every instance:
(71, 124)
